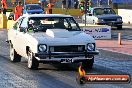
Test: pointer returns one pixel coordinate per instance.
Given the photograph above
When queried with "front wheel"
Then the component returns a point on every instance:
(14, 57)
(32, 61)
(119, 27)
(88, 64)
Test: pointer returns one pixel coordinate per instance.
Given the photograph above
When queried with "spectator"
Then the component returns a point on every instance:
(4, 6)
(69, 4)
(76, 2)
(50, 6)
(43, 2)
(63, 4)
(18, 10)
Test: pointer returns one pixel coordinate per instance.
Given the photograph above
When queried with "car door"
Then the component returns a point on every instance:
(13, 35)
(22, 37)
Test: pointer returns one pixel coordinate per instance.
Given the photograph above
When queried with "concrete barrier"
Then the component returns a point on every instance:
(126, 15)
(3, 21)
(10, 24)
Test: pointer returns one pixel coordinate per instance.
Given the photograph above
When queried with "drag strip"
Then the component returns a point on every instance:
(17, 75)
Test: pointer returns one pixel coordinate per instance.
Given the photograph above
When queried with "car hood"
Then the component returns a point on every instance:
(63, 37)
(107, 16)
(35, 11)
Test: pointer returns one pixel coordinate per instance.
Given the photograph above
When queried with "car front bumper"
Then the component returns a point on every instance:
(111, 23)
(65, 57)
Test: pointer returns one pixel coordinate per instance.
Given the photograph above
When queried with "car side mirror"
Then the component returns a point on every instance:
(90, 14)
(23, 29)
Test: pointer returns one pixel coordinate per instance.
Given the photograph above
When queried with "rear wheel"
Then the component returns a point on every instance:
(14, 57)
(88, 64)
(32, 61)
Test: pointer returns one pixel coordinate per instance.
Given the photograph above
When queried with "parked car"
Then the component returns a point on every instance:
(50, 38)
(33, 9)
(103, 16)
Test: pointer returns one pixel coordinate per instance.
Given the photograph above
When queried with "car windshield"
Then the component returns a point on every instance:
(44, 23)
(101, 11)
(33, 7)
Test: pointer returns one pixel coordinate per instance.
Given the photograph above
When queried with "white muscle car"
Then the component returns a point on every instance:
(51, 38)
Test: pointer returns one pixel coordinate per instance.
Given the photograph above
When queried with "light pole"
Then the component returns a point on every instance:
(108, 2)
(24, 3)
(86, 10)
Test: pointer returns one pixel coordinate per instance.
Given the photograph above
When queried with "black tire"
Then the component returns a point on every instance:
(119, 27)
(81, 80)
(88, 64)
(32, 61)
(14, 57)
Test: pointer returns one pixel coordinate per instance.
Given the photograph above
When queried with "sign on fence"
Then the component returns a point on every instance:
(98, 32)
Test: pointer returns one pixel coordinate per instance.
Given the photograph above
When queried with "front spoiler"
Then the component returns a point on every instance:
(111, 23)
(60, 56)
(66, 54)
(63, 60)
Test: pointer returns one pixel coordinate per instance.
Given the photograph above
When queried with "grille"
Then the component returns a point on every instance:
(110, 19)
(70, 48)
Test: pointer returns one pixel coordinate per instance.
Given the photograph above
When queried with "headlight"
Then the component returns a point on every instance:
(42, 48)
(90, 47)
(119, 19)
(100, 20)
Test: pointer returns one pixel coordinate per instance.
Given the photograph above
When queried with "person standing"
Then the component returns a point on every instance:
(69, 4)
(4, 6)
(43, 2)
(50, 6)
(18, 10)
(63, 4)
(76, 2)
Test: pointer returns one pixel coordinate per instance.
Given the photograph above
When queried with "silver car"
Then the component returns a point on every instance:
(103, 16)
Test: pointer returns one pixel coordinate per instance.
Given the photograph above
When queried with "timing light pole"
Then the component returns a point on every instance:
(108, 2)
(24, 3)
(86, 10)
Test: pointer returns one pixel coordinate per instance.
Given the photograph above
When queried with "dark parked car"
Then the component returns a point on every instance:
(103, 16)
(33, 9)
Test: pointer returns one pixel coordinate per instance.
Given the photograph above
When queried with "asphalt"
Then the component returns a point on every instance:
(113, 45)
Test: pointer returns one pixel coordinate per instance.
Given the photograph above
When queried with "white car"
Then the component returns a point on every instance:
(51, 38)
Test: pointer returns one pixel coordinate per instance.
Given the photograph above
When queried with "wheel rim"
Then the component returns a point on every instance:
(29, 60)
(94, 22)
(11, 53)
